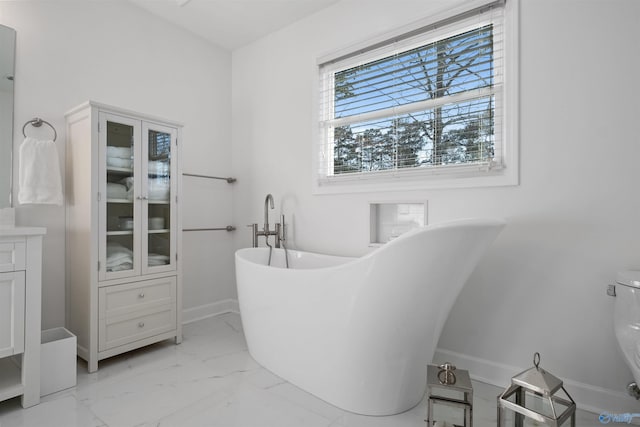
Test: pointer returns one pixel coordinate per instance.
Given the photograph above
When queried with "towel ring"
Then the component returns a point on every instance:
(37, 122)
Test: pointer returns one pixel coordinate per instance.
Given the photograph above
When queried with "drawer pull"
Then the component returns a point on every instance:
(141, 295)
(141, 325)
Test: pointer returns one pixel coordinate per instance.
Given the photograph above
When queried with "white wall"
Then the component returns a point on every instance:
(115, 53)
(572, 220)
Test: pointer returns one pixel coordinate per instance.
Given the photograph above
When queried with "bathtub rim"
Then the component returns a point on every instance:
(239, 255)
(463, 222)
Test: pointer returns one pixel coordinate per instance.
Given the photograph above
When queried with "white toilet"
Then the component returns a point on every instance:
(626, 315)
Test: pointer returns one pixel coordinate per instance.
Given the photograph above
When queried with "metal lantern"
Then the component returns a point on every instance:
(533, 399)
(450, 387)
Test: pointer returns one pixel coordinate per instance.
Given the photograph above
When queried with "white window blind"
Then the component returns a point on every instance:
(421, 104)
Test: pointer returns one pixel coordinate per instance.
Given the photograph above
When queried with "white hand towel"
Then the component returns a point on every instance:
(39, 176)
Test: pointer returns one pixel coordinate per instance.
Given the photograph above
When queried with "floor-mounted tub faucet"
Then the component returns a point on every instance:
(266, 231)
(278, 231)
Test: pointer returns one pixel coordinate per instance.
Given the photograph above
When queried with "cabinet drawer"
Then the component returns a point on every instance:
(123, 330)
(12, 256)
(119, 300)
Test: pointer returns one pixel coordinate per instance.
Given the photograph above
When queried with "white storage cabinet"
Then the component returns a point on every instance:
(124, 281)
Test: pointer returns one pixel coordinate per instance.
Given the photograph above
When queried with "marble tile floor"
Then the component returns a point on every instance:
(208, 380)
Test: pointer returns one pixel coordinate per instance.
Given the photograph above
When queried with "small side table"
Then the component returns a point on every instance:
(462, 386)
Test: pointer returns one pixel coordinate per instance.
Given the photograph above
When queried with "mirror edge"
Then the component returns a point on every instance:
(11, 113)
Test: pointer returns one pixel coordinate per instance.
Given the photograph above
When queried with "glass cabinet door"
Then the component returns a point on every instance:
(159, 204)
(119, 189)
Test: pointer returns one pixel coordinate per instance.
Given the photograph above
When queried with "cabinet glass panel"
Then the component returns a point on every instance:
(120, 218)
(159, 196)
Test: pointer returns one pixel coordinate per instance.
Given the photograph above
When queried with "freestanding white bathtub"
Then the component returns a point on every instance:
(359, 332)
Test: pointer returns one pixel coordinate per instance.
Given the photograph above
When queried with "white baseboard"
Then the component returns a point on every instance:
(209, 310)
(590, 398)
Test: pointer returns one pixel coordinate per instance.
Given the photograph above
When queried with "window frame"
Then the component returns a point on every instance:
(505, 172)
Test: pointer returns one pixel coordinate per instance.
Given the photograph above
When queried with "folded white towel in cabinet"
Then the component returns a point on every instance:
(127, 182)
(119, 152)
(119, 257)
(116, 191)
(117, 162)
(157, 259)
(121, 267)
(159, 189)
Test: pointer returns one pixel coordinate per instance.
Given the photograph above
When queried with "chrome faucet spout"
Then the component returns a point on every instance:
(268, 199)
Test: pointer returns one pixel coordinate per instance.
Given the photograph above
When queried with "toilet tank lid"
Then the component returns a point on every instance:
(629, 278)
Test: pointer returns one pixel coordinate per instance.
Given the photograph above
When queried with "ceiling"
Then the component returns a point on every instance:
(233, 23)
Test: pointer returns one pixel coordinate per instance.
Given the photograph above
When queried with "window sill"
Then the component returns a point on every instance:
(435, 179)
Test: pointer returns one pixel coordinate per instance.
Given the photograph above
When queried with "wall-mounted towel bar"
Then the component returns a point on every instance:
(229, 180)
(37, 122)
(227, 228)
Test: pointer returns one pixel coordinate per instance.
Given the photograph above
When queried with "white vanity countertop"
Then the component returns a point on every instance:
(22, 231)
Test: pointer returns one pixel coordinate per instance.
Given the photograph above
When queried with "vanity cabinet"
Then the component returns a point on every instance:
(123, 230)
(20, 313)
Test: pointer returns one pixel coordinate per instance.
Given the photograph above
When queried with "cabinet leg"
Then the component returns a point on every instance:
(29, 399)
(31, 376)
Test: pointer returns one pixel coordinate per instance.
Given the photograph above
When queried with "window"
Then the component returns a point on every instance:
(424, 108)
